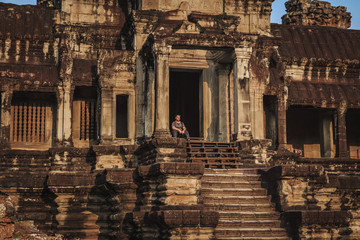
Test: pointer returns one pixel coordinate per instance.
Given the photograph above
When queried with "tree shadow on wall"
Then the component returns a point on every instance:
(103, 202)
(49, 197)
(144, 221)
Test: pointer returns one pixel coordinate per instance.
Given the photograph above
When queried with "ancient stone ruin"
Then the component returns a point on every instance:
(89, 89)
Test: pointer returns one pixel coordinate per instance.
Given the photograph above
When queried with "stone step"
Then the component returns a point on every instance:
(218, 160)
(233, 171)
(250, 232)
(271, 215)
(231, 178)
(249, 223)
(229, 184)
(233, 192)
(235, 199)
(228, 164)
(251, 238)
(212, 154)
(194, 149)
(245, 207)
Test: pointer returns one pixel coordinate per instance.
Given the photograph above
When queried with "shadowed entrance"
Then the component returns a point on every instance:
(184, 99)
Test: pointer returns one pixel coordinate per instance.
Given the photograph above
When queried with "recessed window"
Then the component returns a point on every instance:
(32, 119)
(84, 123)
(122, 116)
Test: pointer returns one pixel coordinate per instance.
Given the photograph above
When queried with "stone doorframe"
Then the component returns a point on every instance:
(218, 123)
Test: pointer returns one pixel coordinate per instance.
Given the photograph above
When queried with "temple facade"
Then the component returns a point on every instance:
(89, 89)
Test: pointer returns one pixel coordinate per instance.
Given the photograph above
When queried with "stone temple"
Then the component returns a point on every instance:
(89, 89)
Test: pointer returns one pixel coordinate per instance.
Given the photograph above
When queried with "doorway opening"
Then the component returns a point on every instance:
(185, 99)
(271, 120)
(353, 132)
(122, 116)
(312, 130)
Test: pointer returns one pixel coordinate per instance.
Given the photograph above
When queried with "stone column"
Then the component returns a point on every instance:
(210, 99)
(5, 116)
(343, 149)
(242, 96)
(67, 113)
(257, 111)
(106, 128)
(162, 125)
(150, 107)
(282, 123)
(64, 92)
(223, 75)
(64, 112)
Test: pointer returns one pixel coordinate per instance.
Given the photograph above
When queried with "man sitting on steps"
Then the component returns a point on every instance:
(178, 127)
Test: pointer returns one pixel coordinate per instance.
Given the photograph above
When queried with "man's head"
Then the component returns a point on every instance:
(177, 117)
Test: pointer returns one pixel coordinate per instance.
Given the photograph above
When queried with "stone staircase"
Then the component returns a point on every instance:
(231, 185)
(217, 155)
(245, 209)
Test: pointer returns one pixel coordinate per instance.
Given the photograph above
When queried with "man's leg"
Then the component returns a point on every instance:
(187, 135)
(174, 133)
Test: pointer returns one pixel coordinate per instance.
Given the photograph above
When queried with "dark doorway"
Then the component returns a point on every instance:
(271, 119)
(184, 99)
(312, 130)
(353, 132)
(122, 116)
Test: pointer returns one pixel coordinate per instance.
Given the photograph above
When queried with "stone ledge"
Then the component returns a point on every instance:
(348, 182)
(168, 142)
(328, 161)
(324, 218)
(176, 218)
(70, 179)
(120, 176)
(71, 151)
(24, 180)
(309, 170)
(22, 153)
(105, 150)
(171, 168)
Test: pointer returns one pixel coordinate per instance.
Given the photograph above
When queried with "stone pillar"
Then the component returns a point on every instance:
(106, 128)
(210, 99)
(140, 96)
(223, 75)
(282, 123)
(64, 96)
(242, 96)
(257, 111)
(150, 107)
(5, 117)
(343, 149)
(64, 112)
(162, 125)
(67, 113)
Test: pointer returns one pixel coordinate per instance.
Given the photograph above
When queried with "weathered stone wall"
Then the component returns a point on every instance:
(318, 200)
(98, 12)
(252, 16)
(309, 13)
(14, 227)
(28, 47)
(62, 192)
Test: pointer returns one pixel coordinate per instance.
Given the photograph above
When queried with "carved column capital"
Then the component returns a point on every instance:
(242, 53)
(161, 49)
(342, 108)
